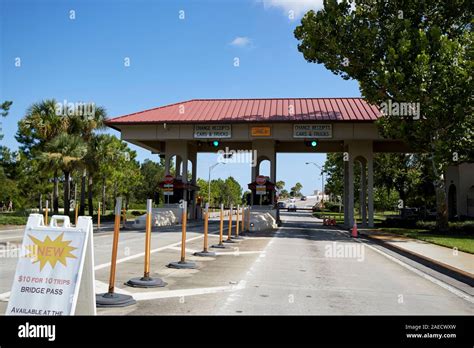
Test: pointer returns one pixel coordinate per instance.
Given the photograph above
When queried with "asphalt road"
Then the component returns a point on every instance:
(302, 268)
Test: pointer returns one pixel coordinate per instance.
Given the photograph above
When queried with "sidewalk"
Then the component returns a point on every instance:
(457, 262)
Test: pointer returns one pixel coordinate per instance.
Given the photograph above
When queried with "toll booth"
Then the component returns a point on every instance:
(262, 194)
(174, 191)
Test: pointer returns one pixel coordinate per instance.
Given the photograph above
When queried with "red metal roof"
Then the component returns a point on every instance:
(255, 110)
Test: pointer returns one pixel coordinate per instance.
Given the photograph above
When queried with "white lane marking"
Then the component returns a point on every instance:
(143, 296)
(250, 272)
(5, 296)
(179, 248)
(236, 253)
(422, 274)
(101, 287)
(132, 257)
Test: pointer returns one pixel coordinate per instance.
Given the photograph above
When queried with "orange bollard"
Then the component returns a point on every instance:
(46, 214)
(98, 217)
(146, 281)
(237, 223)
(111, 298)
(182, 263)
(205, 252)
(221, 230)
(76, 213)
(229, 235)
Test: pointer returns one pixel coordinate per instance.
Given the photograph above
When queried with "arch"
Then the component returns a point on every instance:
(267, 165)
(452, 201)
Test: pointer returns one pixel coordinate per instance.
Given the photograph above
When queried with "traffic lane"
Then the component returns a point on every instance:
(196, 292)
(298, 275)
(131, 246)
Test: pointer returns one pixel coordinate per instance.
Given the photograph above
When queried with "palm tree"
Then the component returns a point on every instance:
(66, 151)
(85, 125)
(36, 129)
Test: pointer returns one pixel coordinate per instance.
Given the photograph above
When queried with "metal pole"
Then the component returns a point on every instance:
(322, 186)
(209, 186)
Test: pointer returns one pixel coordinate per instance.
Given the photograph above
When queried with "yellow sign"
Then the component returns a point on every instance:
(261, 131)
(50, 251)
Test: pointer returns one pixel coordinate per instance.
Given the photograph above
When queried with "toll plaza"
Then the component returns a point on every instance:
(262, 128)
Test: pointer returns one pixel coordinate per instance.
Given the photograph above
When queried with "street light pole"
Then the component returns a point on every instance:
(209, 181)
(322, 178)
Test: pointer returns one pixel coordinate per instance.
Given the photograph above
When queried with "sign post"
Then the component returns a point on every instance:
(146, 281)
(111, 298)
(183, 264)
(205, 251)
(168, 187)
(261, 187)
(55, 271)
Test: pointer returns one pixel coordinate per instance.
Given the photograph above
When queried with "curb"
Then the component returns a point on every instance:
(438, 266)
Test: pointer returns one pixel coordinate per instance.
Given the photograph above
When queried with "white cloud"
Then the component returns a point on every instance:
(241, 41)
(294, 8)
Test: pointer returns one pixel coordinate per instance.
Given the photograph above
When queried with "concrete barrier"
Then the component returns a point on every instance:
(160, 217)
(262, 219)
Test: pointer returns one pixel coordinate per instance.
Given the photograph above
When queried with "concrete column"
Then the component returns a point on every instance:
(370, 189)
(273, 167)
(178, 165)
(167, 162)
(363, 193)
(350, 197)
(193, 159)
(345, 198)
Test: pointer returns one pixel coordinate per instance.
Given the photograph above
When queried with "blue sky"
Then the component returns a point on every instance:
(171, 60)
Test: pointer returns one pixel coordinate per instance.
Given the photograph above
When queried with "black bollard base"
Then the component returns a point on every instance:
(183, 265)
(219, 246)
(114, 300)
(146, 282)
(229, 241)
(204, 253)
(238, 237)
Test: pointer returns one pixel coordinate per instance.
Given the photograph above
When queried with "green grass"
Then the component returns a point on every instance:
(21, 217)
(9, 219)
(453, 239)
(461, 241)
(378, 217)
